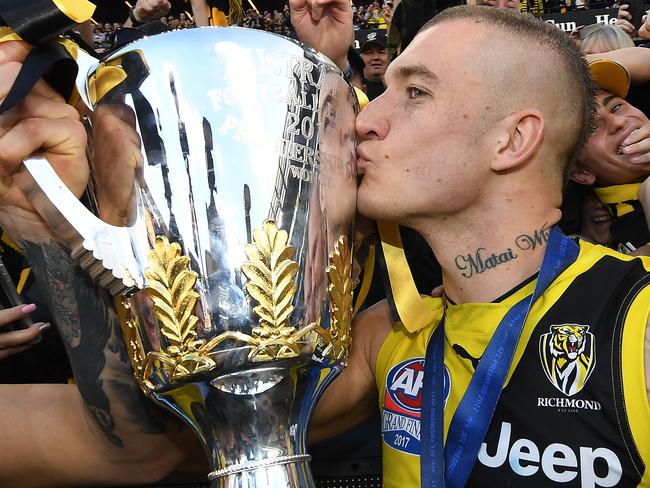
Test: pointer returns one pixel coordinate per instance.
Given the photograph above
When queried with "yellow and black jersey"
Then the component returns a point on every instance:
(16, 266)
(573, 411)
(629, 224)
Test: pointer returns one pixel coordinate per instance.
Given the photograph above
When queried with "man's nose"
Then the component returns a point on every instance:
(615, 123)
(371, 122)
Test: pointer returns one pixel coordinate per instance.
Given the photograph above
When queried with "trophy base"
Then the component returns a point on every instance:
(280, 472)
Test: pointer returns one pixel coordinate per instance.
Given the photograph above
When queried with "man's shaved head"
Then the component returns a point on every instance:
(532, 64)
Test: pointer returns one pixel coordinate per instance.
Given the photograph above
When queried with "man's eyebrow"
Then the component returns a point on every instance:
(417, 70)
(608, 99)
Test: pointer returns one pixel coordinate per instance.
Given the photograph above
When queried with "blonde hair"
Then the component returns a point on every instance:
(607, 37)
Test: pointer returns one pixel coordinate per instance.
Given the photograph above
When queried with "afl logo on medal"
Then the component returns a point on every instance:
(402, 401)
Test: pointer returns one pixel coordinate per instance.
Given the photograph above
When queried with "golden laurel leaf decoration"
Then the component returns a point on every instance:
(133, 344)
(338, 339)
(271, 273)
(170, 286)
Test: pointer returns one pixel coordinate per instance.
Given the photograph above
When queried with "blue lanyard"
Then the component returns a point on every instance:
(450, 466)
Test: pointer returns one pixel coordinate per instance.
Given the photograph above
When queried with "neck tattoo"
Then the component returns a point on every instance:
(480, 261)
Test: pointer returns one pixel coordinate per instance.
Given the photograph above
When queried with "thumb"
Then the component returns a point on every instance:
(437, 291)
(13, 51)
(316, 10)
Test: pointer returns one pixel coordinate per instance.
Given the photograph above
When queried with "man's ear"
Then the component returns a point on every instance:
(519, 141)
(582, 176)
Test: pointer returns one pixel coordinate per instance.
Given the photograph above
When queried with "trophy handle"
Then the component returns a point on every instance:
(113, 256)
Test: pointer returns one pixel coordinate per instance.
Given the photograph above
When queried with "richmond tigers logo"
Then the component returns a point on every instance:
(568, 356)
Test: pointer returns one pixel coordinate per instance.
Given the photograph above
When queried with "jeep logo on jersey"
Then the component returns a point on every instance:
(402, 401)
(568, 356)
(585, 467)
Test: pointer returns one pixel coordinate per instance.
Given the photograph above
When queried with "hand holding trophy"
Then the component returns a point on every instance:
(222, 165)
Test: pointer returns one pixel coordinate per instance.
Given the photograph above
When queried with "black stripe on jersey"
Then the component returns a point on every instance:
(617, 374)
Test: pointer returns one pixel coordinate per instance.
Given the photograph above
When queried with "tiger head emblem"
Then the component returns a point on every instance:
(568, 356)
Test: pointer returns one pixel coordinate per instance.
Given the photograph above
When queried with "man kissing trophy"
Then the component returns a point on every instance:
(223, 195)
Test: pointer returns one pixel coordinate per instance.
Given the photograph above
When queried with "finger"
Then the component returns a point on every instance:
(641, 251)
(13, 51)
(437, 292)
(297, 5)
(625, 25)
(18, 338)
(638, 151)
(63, 137)
(315, 10)
(9, 315)
(37, 106)
(638, 148)
(625, 15)
(637, 135)
(641, 159)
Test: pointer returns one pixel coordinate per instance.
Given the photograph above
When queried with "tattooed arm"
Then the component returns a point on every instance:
(116, 431)
(102, 430)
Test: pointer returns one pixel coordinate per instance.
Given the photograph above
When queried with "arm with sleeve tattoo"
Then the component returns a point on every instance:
(91, 333)
(121, 436)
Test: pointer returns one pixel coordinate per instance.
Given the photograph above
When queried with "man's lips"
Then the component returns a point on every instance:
(361, 165)
(362, 161)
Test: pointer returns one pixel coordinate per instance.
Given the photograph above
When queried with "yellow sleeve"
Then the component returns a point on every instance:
(634, 381)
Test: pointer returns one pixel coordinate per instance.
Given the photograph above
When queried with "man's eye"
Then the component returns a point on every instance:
(414, 92)
(616, 107)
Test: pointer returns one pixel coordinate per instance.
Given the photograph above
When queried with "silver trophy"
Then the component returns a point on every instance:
(224, 190)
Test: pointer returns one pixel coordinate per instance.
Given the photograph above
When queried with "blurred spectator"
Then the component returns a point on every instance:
(357, 80)
(506, 4)
(375, 57)
(616, 159)
(602, 38)
(596, 219)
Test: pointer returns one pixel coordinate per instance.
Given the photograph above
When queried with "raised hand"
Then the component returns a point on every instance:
(637, 147)
(644, 30)
(16, 341)
(149, 10)
(42, 123)
(624, 18)
(325, 25)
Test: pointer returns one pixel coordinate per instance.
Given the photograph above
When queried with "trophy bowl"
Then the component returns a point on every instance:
(223, 196)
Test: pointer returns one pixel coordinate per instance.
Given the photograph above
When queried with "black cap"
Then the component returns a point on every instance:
(373, 36)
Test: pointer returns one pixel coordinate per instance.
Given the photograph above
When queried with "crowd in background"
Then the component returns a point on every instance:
(367, 14)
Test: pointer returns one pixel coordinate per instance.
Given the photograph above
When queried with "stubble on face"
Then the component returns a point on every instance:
(424, 149)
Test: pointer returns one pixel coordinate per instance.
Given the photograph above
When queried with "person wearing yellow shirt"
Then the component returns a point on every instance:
(531, 371)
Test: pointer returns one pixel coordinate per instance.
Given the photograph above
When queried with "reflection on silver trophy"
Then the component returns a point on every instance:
(224, 191)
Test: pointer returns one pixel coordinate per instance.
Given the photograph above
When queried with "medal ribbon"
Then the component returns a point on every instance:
(450, 466)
